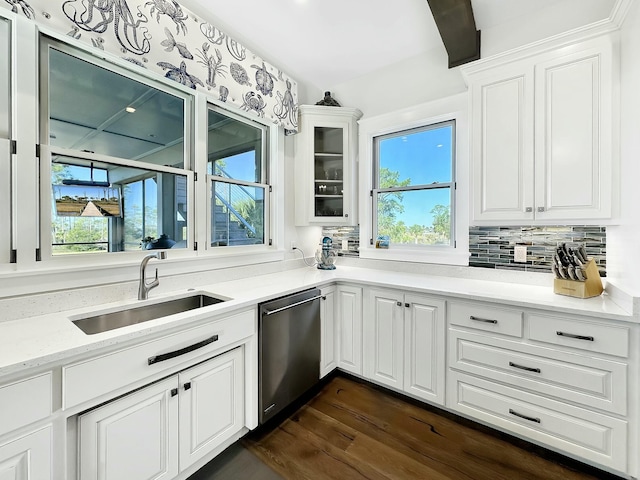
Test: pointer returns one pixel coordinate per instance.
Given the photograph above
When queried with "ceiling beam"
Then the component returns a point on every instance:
(457, 27)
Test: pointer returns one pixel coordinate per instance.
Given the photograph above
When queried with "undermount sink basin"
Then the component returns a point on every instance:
(138, 314)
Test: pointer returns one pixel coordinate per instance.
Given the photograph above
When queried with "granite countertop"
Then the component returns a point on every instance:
(53, 338)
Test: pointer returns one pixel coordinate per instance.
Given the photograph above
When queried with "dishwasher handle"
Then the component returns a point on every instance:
(287, 307)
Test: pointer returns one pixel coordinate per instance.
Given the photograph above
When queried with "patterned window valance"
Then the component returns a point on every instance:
(166, 38)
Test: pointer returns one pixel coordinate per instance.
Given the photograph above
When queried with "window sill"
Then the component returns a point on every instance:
(56, 275)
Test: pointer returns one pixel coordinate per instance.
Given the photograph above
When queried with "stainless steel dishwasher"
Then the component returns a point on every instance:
(289, 350)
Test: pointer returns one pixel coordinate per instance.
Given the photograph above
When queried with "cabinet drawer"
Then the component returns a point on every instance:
(108, 373)
(25, 402)
(595, 337)
(488, 318)
(592, 382)
(592, 436)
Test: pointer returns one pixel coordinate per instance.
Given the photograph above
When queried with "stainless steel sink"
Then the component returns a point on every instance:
(138, 314)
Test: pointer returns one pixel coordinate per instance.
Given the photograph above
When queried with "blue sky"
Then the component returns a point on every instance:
(424, 157)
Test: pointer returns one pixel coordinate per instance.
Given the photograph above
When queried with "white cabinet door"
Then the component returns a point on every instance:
(573, 135)
(350, 328)
(384, 337)
(27, 457)
(135, 437)
(328, 331)
(542, 136)
(424, 347)
(211, 405)
(326, 160)
(502, 145)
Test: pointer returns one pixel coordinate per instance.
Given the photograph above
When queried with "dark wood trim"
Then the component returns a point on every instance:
(457, 27)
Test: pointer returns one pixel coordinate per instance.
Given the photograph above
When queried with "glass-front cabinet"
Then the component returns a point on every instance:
(326, 166)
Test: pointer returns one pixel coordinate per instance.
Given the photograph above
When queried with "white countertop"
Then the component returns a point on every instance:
(53, 338)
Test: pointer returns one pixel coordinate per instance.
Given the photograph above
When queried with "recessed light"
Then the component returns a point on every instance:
(130, 109)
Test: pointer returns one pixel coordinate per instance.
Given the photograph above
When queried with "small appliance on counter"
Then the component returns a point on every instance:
(326, 257)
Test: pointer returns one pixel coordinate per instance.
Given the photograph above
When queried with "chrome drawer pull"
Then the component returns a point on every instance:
(485, 320)
(182, 351)
(572, 335)
(287, 307)
(531, 419)
(521, 367)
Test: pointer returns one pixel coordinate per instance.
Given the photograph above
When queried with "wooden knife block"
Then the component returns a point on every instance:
(591, 287)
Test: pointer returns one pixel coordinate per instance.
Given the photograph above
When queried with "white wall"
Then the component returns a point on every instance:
(426, 77)
(623, 254)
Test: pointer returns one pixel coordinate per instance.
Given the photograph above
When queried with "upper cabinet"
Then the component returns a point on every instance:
(326, 170)
(543, 148)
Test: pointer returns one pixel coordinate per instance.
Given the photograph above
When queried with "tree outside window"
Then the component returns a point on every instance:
(414, 185)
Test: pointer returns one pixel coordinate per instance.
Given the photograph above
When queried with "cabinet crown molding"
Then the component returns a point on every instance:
(609, 26)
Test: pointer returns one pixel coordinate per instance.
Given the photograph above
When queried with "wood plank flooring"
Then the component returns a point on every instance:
(353, 431)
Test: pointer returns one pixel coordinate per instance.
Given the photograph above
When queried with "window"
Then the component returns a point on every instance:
(414, 186)
(237, 167)
(5, 140)
(117, 159)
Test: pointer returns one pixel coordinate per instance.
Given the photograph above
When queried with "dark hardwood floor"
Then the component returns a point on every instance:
(352, 430)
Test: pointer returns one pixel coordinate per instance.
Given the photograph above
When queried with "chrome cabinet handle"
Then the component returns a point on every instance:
(399, 304)
(176, 353)
(541, 209)
(522, 367)
(287, 307)
(577, 337)
(485, 320)
(528, 209)
(531, 419)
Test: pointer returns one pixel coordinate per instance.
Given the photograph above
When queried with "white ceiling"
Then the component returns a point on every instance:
(323, 43)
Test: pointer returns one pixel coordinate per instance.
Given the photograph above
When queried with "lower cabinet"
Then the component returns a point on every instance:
(404, 347)
(558, 380)
(349, 340)
(27, 457)
(162, 429)
(328, 331)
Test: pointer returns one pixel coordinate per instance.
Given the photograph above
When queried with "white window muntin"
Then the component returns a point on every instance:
(451, 185)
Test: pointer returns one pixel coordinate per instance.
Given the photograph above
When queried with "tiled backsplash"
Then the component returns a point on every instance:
(339, 234)
(493, 247)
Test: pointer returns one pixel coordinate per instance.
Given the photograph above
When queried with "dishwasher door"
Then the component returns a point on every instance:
(289, 350)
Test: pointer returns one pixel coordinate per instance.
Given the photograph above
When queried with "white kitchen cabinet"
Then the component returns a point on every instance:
(328, 331)
(349, 312)
(405, 342)
(542, 135)
(27, 457)
(162, 429)
(559, 380)
(211, 405)
(326, 166)
(134, 437)
(384, 337)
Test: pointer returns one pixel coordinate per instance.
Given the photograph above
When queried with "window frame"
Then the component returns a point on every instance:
(32, 271)
(265, 183)
(450, 109)
(47, 151)
(451, 185)
(7, 215)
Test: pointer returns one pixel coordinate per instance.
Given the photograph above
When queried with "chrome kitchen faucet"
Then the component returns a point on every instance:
(144, 287)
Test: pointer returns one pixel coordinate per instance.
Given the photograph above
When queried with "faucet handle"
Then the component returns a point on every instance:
(162, 255)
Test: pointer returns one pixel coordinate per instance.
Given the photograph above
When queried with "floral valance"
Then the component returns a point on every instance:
(166, 38)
